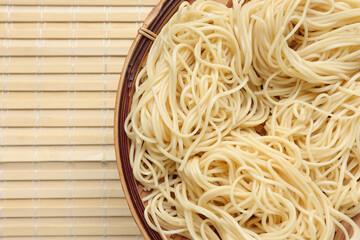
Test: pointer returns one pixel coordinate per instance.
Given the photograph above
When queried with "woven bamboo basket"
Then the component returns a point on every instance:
(135, 60)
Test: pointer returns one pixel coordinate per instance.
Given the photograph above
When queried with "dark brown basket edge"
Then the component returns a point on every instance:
(137, 54)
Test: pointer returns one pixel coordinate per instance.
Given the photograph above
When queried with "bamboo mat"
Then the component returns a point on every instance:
(61, 62)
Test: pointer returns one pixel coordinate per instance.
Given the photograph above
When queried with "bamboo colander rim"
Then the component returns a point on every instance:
(153, 24)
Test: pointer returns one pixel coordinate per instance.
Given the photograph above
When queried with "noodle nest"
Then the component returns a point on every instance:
(245, 121)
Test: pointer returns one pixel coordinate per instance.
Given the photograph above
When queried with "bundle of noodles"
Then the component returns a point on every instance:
(245, 121)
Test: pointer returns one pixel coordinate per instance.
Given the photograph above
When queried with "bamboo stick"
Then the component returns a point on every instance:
(58, 118)
(58, 100)
(58, 153)
(19, 13)
(59, 82)
(56, 136)
(66, 208)
(64, 230)
(69, 30)
(55, 65)
(114, 237)
(81, 2)
(61, 189)
(65, 48)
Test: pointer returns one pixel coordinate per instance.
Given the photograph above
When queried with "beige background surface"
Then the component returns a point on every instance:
(60, 65)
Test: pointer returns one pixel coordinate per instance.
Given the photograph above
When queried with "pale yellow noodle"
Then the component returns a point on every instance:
(245, 121)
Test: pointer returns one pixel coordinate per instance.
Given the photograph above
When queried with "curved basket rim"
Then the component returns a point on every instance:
(150, 19)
